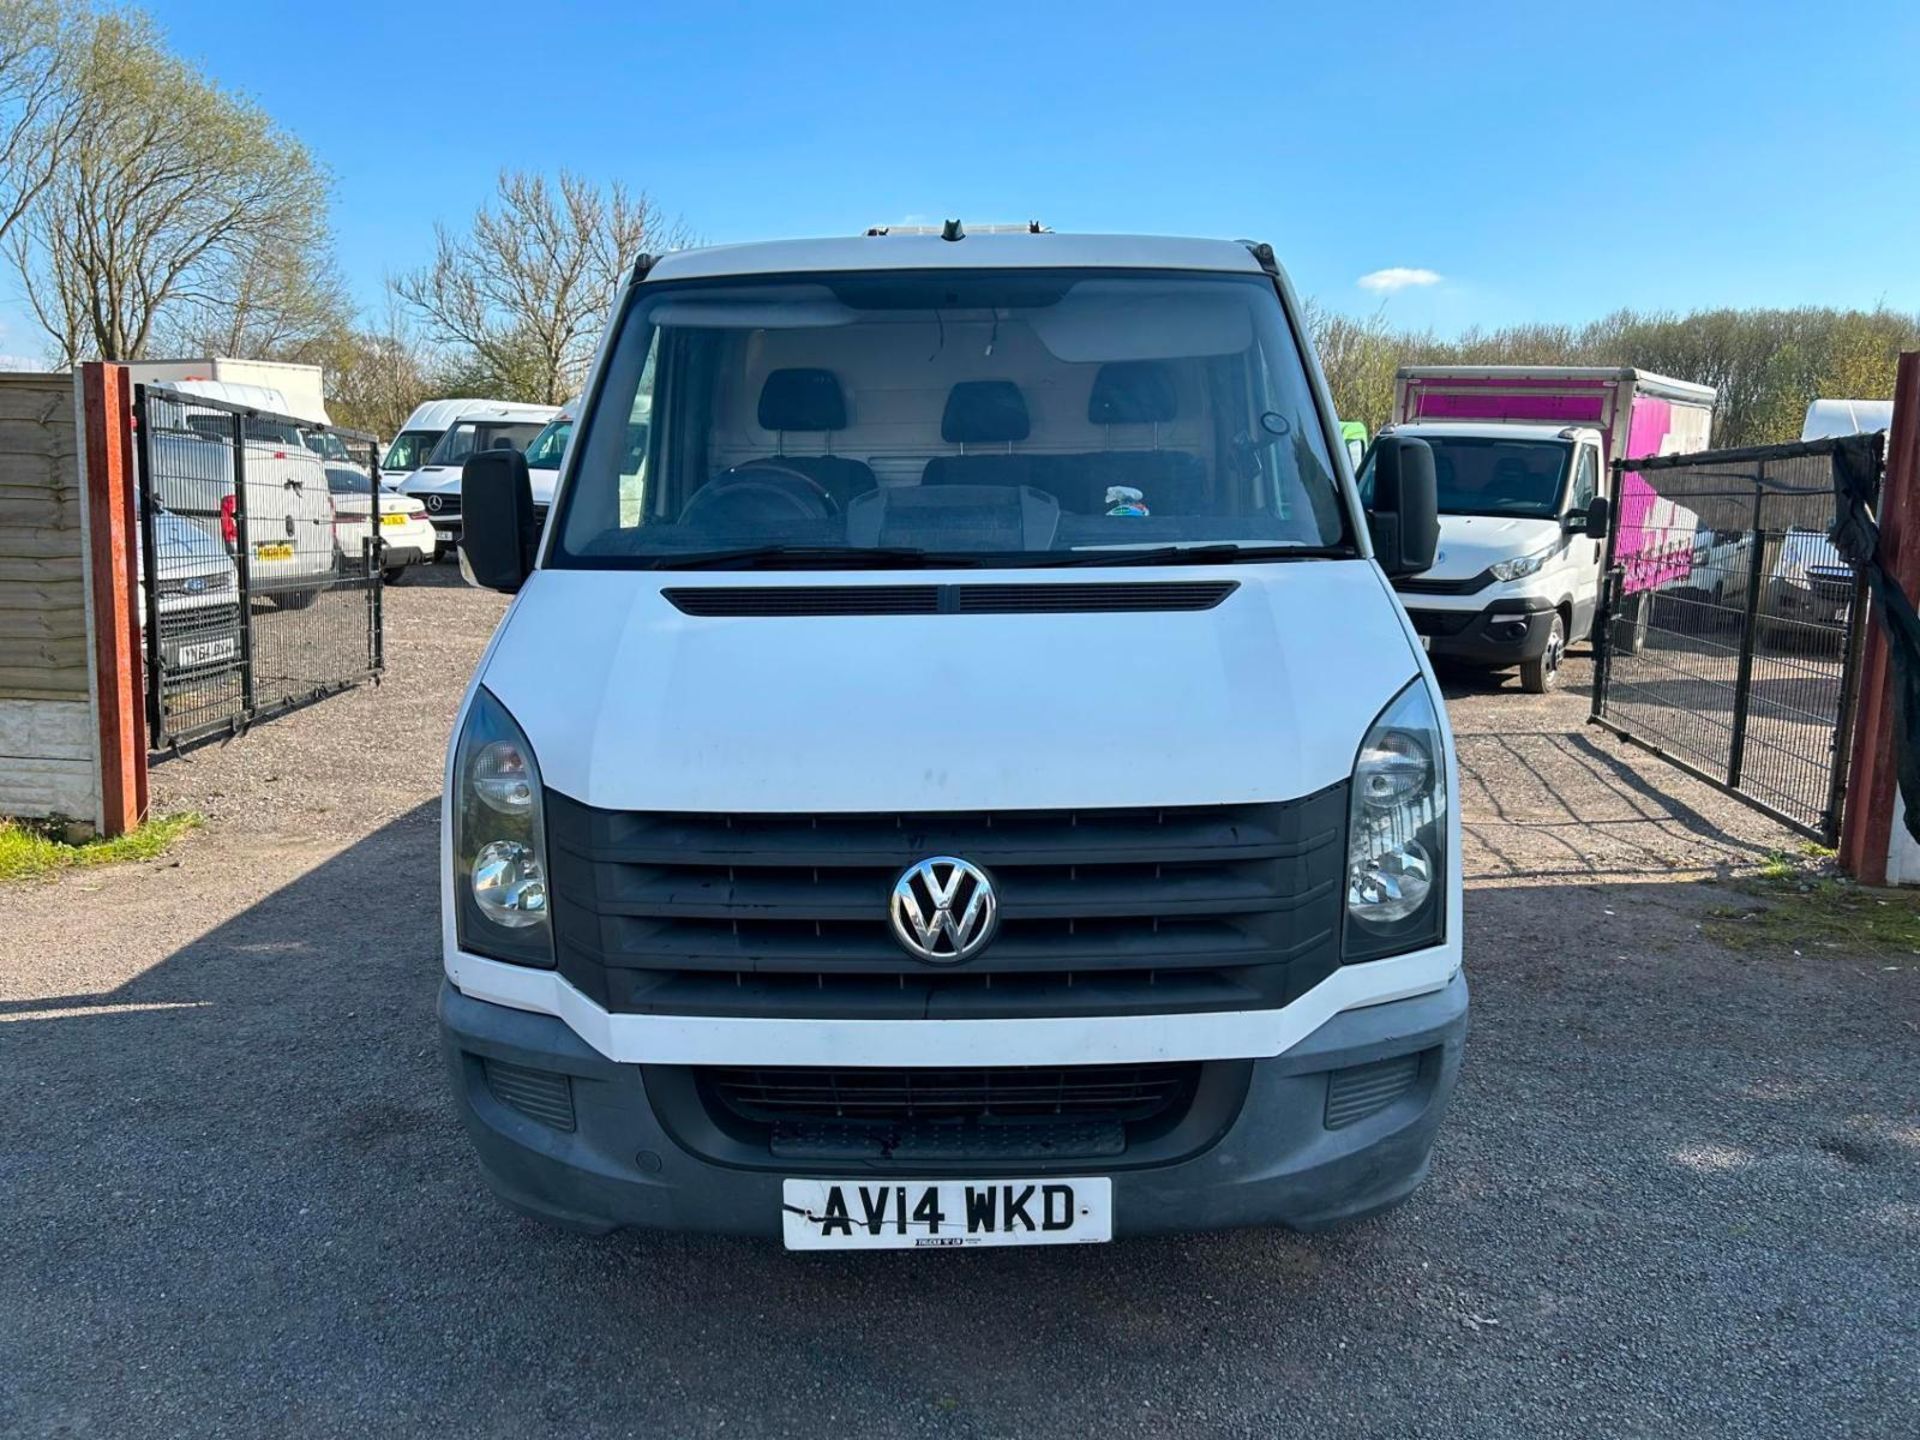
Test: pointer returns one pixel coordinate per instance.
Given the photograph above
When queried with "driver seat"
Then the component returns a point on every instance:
(803, 400)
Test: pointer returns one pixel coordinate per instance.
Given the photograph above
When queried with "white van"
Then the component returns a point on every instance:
(289, 508)
(477, 425)
(954, 771)
(410, 448)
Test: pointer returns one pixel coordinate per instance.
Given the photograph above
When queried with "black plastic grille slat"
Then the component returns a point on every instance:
(752, 600)
(1127, 1093)
(1363, 1090)
(747, 601)
(1100, 597)
(539, 1094)
(1471, 585)
(1170, 910)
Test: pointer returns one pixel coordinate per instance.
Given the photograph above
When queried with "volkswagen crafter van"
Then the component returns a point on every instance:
(954, 771)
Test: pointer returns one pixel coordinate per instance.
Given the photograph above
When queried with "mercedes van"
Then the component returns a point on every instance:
(954, 771)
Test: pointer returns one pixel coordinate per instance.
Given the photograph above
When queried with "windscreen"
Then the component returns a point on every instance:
(549, 446)
(1029, 416)
(410, 449)
(471, 435)
(1482, 476)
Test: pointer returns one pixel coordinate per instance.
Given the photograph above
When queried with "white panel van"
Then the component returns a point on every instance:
(954, 771)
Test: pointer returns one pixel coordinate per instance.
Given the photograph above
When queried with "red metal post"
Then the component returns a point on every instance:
(1869, 816)
(113, 537)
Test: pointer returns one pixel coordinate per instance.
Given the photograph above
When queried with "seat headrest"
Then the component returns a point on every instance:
(984, 412)
(802, 399)
(1132, 392)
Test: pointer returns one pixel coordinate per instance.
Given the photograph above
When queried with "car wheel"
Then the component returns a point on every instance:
(295, 599)
(1539, 676)
(396, 575)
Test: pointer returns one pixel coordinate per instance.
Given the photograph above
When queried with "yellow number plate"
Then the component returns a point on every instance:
(393, 519)
(273, 552)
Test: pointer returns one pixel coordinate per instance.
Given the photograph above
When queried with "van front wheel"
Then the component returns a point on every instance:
(1539, 676)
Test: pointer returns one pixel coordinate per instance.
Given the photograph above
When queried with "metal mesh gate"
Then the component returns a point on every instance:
(259, 570)
(1730, 632)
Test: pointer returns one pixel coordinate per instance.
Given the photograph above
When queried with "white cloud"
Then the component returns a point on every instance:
(1397, 277)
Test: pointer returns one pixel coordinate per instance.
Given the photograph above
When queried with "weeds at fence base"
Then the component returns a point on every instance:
(31, 848)
(1798, 901)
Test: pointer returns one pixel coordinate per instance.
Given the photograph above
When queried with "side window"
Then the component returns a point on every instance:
(1586, 479)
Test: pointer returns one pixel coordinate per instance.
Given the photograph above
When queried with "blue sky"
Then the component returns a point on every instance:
(1543, 161)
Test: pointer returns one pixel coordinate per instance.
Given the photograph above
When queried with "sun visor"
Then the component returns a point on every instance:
(1128, 320)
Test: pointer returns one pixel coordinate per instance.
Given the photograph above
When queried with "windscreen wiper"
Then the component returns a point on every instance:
(1195, 555)
(810, 557)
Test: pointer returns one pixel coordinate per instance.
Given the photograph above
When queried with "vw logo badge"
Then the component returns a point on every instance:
(944, 910)
(434, 503)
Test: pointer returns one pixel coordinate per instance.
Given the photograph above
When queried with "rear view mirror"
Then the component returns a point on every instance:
(498, 532)
(1404, 519)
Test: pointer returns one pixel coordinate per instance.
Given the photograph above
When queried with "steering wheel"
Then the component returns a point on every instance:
(760, 492)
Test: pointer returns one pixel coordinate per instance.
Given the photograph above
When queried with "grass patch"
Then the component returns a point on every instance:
(1798, 901)
(28, 849)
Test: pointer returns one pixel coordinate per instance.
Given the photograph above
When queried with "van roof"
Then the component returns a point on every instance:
(982, 250)
(1827, 418)
(445, 414)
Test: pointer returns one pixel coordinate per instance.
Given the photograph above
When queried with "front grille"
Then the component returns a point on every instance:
(218, 583)
(1102, 912)
(1030, 599)
(1126, 1093)
(440, 506)
(1833, 584)
(1473, 584)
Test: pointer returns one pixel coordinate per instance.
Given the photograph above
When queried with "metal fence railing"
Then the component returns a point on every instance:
(259, 565)
(1730, 631)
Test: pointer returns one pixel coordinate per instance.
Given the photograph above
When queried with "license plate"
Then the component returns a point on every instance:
(393, 519)
(206, 651)
(273, 552)
(944, 1214)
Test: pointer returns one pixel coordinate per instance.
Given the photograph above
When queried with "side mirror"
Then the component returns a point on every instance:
(1597, 521)
(498, 532)
(1405, 518)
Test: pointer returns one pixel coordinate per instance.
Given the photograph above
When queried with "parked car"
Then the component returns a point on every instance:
(1523, 456)
(482, 425)
(197, 597)
(979, 790)
(404, 528)
(289, 507)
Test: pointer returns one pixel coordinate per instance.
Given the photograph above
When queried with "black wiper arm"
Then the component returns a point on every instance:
(1195, 555)
(807, 557)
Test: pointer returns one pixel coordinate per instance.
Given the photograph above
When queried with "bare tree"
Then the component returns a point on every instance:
(376, 375)
(39, 107)
(170, 189)
(527, 290)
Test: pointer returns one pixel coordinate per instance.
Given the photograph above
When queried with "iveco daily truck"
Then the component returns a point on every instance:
(954, 771)
(1523, 456)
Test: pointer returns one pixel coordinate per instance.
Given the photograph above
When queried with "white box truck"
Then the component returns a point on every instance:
(954, 771)
(1522, 455)
(302, 387)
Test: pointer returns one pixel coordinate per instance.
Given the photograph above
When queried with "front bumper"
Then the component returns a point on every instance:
(1505, 632)
(622, 1149)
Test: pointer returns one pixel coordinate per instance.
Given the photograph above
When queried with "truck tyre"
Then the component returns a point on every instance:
(1539, 676)
(1630, 630)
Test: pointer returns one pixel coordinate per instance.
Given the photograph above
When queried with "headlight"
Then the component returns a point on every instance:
(1521, 567)
(499, 840)
(1397, 832)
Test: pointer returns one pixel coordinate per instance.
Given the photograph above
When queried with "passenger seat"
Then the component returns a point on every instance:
(810, 401)
(1138, 392)
(983, 412)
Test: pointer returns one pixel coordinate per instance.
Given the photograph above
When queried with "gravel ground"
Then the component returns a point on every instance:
(1677, 1193)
